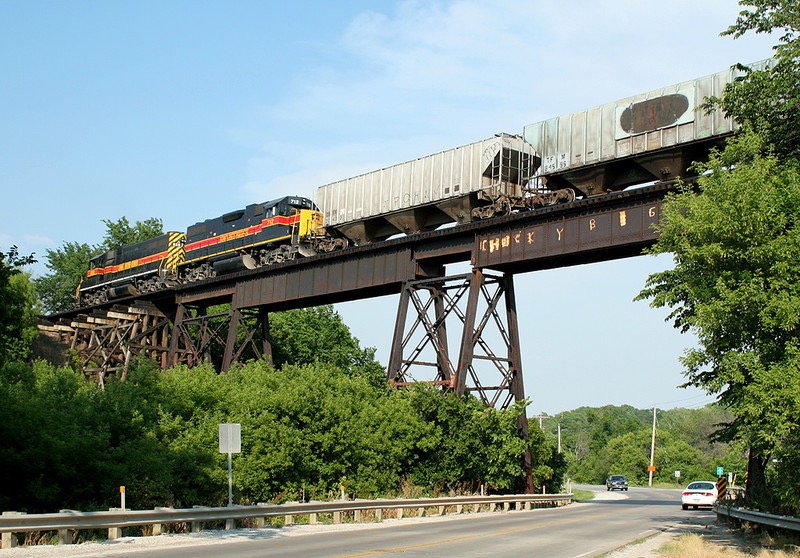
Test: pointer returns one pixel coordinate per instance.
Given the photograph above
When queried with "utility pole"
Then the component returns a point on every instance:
(559, 437)
(651, 468)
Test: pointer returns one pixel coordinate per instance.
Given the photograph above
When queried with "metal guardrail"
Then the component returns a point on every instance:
(762, 518)
(67, 521)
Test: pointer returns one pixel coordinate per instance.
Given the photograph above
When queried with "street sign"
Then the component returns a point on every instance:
(720, 470)
(230, 438)
(677, 474)
(230, 441)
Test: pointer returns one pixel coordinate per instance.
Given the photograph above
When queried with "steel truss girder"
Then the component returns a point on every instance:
(474, 301)
(222, 338)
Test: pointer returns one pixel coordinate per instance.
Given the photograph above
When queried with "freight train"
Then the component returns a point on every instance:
(645, 138)
(480, 180)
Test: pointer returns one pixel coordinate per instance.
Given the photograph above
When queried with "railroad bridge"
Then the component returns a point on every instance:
(226, 319)
(600, 153)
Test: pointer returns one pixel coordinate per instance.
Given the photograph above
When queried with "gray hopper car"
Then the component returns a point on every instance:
(428, 192)
(639, 139)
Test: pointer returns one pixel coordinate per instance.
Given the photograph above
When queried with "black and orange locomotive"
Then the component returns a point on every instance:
(260, 234)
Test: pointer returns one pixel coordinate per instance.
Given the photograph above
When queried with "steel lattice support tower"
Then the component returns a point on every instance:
(473, 303)
(222, 338)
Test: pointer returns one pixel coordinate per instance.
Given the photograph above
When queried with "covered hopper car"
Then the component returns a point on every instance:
(638, 139)
(648, 137)
(479, 180)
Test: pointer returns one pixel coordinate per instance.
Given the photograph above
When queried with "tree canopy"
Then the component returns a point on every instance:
(599, 441)
(17, 306)
(736, 286)
(768, 100)
(68, 264)
(306, 431)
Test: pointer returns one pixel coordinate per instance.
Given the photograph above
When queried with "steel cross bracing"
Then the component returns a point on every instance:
(222, 338)
(472, 301)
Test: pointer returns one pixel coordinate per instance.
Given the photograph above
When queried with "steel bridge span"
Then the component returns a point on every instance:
(185, 324)
(225, 319)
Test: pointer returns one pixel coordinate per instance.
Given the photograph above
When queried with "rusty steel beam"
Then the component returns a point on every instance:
(472, 303)
(372, 273)
(617, 231)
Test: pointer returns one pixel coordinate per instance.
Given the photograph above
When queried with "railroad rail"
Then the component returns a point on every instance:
(67, 522)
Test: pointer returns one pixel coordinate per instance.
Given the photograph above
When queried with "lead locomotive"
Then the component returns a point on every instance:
(260, 234)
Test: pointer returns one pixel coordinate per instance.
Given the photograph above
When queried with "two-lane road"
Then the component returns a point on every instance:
(586, 529)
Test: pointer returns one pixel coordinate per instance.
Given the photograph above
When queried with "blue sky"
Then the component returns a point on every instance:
(184, 110)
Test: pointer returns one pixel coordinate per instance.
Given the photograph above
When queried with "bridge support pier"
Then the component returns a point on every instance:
(483, 308)
(221, 338)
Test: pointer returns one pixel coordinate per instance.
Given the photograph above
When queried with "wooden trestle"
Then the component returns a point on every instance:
(104, 343)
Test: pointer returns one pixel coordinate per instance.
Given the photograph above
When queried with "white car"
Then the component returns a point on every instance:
(699, 493)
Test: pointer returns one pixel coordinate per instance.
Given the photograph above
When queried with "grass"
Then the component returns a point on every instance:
(695, 546)
(582, 495)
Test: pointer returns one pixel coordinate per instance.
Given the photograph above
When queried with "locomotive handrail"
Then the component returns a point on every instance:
(70, 520)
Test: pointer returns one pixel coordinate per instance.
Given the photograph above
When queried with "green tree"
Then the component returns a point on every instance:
(319, 334)
(548, 466)
(768, 100)
(736, 285)
(122, 233)
(629, 455)
(470, 446)
(52, 455)
(17, 306)
(68, 264)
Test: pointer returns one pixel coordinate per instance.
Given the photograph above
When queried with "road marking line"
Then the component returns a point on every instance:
(406, 548)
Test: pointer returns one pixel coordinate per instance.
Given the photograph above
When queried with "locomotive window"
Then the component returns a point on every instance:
(232, 216)
(285, 210)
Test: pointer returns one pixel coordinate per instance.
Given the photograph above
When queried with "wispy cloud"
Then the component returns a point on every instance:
(435, 75)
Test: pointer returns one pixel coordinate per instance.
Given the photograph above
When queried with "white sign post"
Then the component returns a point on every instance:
(230, 441)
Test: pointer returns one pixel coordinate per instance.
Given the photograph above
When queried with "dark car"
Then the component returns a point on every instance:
(616, 482)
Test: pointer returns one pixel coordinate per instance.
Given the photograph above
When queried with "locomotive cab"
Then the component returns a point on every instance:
(260, 234)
